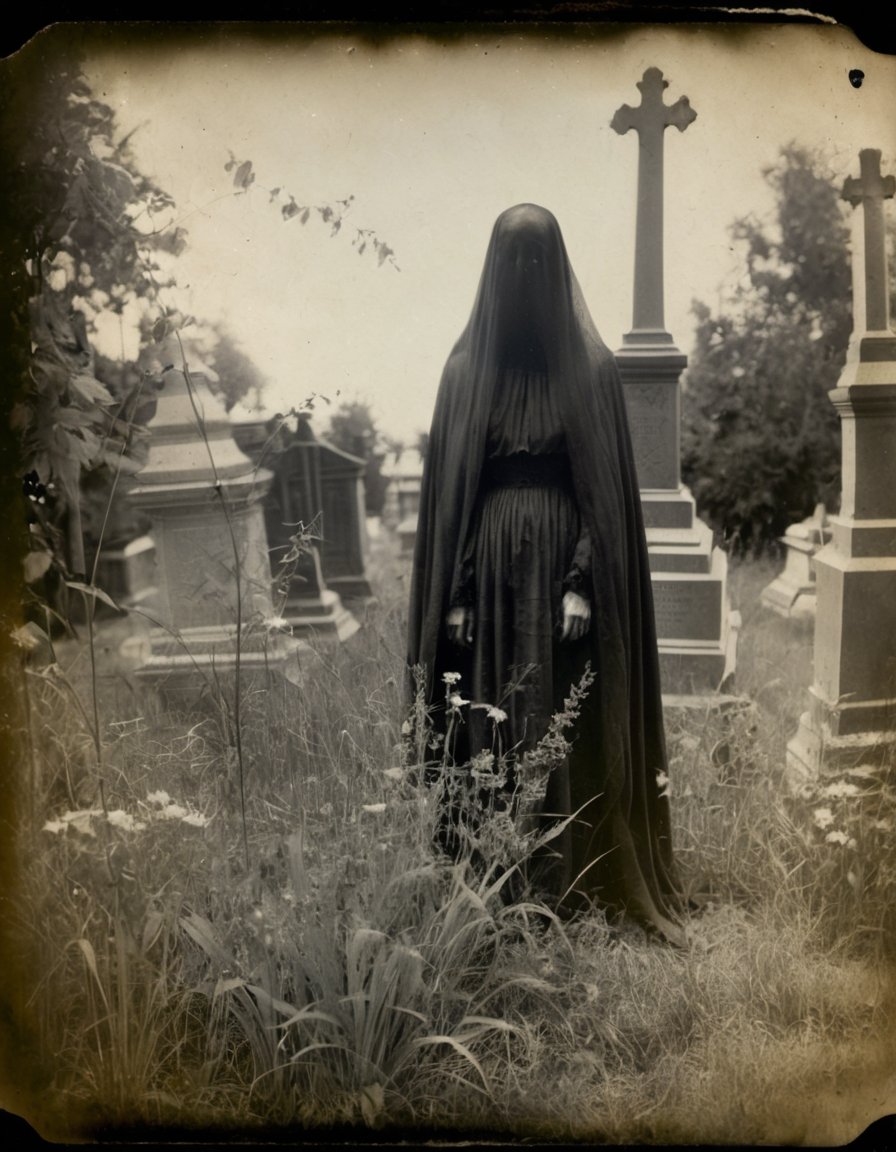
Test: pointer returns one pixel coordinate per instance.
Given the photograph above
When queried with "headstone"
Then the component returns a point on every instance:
(404, 477)
(203, 498)
(697, 631)
(851, 720)
(294, 509)
(792, 593)
(343, 516)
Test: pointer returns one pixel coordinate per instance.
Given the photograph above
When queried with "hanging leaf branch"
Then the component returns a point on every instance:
(333, 214)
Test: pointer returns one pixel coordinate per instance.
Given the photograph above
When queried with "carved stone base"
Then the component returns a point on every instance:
(321, 617)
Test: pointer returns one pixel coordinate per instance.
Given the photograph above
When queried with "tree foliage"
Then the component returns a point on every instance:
(353, 429)
(760, 439)
(80, 240)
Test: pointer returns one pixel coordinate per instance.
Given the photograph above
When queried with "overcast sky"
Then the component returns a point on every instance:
(433, 141)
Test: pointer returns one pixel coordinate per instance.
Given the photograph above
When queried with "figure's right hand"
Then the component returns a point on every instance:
(460, 623)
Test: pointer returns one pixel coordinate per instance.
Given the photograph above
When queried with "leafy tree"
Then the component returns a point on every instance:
(79, 240)
(353, 428)
(760, 439)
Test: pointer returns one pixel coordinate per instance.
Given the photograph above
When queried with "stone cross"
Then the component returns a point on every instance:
(650, 119)
(870, 190)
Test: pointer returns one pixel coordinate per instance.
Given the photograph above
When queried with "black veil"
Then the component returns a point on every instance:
(528, 296)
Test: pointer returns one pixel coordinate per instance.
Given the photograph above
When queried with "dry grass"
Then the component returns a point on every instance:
(351, 977)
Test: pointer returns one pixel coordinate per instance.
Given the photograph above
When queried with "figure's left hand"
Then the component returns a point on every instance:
(576, 616)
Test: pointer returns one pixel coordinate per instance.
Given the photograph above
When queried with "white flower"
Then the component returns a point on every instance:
(375, 808)
(840, 788)
(456, 700)
(496, 714)
(55, 826)
(160, 798)
(393, 773)
(451, 677)
(406, 728)
(174, 812)
(823, 817)
(196, 819)
(837, 837)
(124, 820)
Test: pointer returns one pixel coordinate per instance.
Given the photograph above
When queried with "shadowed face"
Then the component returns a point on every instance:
(527, 272)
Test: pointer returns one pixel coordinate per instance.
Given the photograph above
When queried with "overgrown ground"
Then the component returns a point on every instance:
(346, 976)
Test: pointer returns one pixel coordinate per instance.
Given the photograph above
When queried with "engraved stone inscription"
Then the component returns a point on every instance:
(687, 609)
(653, 421)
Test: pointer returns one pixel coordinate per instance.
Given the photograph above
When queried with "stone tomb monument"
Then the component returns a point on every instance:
(191, 490)
(696, 631)
(792, 594)
(320, 488)
(851, 720)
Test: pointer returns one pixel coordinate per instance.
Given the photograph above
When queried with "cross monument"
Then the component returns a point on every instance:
(851, 720)
(697, 633)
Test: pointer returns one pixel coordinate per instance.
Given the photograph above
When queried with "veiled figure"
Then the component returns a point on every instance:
(531, 561)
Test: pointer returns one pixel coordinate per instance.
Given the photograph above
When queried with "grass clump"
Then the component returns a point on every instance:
(354, 975)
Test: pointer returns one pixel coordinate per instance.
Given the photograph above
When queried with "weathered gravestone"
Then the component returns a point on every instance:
(792, 593)
(314, 521)
(851, 720)
(203, 497)
(697, 632)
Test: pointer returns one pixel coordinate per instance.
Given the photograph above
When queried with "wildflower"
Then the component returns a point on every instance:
(840, 788)
(125, 821)
(823, 817)
(55, 826)
(393, 773)
(160, 798)
(837, 837)
(196, 819)
(173, 812)
(451, 677)
(375, 808)
(496, 714)
(456, 700)
(406, 728)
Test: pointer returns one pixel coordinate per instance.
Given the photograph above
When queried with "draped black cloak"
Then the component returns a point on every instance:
(529, 308)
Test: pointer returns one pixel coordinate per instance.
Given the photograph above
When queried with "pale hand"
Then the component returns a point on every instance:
(576, 616)
(460, 622)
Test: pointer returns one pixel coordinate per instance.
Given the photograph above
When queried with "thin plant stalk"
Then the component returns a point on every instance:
(237, 571)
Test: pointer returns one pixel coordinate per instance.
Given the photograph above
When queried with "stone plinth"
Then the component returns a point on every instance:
(851, 719)
(127, 571)
(200, 561)
(792, 594)
(696, 631)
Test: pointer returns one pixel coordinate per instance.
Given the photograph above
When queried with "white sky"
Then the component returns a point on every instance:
(434, 140)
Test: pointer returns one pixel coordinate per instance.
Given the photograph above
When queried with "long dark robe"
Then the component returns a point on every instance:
(530, 319)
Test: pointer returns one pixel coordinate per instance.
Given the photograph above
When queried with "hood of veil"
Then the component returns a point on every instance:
(583, 372)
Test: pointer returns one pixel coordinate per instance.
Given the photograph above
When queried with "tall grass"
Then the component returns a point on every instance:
(353, 975)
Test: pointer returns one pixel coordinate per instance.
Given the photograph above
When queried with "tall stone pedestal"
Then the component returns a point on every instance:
(200, 561)
(696, 631)
(851, 720)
